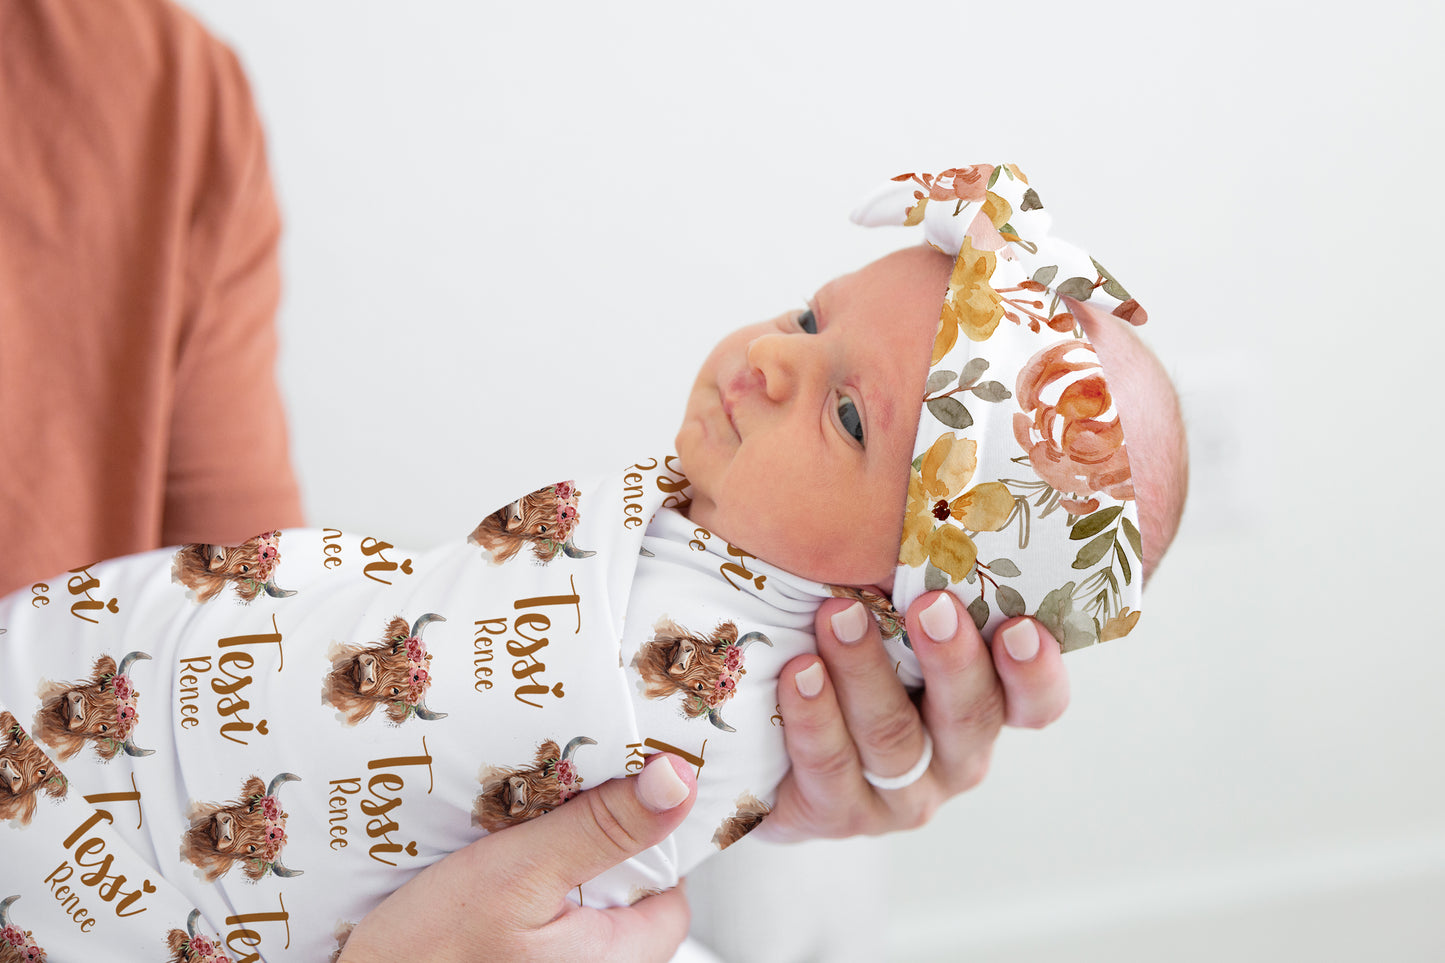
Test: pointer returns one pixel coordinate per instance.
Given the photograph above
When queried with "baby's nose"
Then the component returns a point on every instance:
(782, 360)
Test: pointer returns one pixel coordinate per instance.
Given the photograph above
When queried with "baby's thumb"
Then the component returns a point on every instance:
(617, 820)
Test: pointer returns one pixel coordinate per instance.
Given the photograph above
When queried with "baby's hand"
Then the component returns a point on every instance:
(846, 713)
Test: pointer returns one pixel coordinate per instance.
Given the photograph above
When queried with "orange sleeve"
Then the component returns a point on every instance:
(228, 469)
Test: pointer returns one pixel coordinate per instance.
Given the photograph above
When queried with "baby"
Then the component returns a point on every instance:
(236, 752)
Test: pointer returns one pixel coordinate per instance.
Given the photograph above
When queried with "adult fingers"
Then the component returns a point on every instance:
(650, 929)
(504, 895)
(963, 701)
(599, 829)
(1031, 668)
(823, 794)
(879, 713)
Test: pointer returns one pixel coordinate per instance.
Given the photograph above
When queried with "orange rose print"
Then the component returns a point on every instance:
(1073, 442)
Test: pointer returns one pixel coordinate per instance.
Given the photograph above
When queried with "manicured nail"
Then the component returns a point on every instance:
(1021, 640)
(850, 624)
(940, 619)
(810, 681)
(660, 788)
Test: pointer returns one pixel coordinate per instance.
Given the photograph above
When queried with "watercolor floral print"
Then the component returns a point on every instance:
(1069, 465)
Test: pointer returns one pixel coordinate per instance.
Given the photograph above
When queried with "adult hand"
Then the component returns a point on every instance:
(845, 711)
(503, 897)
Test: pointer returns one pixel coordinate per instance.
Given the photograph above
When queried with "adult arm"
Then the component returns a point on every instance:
(846, 711)
(228, 467)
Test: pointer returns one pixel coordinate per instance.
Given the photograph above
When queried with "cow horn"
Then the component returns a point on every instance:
(572, 746)
(277, 593)
(131, 749)
(715, 717)
(752, 637)
(280, 870)
(572, 551)
(281, 777)
(430, 715)
(129, 659)
(191, 922)
(422, 622)
(5, 910)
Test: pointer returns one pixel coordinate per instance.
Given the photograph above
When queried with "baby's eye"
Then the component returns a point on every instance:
(848, 418)
(808, 322)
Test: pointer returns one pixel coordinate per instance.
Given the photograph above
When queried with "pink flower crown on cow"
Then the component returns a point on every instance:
(274, 819)
(418, 675)
(1020, 498)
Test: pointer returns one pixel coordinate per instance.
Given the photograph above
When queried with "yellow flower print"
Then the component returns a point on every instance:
(972, 306)
(936, 495)
(1120, 625)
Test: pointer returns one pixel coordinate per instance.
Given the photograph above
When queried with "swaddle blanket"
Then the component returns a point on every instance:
(241, 750)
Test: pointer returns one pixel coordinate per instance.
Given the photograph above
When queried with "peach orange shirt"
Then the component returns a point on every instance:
(138, 288)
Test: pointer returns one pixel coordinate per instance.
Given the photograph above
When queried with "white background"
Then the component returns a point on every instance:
(513, 229)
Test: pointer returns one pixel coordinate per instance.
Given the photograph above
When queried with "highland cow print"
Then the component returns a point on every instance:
(26, 773)
(514, 795)
(17, 945)
(102, 711)
(544, 521)
(249, 568)
(250, 830)
(193, 946)
(747, 817)
(704, 670)
(394, 673)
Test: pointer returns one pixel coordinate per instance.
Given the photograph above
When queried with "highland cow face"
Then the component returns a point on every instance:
(513, 795)
(543, 521)
(250, 567)
(238, 831)
(530, 794)
(249, 831)
(705, 669)
(676, 660)
(394, 673)
(102, 711)
(25, 772)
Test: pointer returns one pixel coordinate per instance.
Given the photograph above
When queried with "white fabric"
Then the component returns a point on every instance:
(376, 802)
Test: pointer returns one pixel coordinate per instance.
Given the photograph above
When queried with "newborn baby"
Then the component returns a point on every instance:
(219, 751)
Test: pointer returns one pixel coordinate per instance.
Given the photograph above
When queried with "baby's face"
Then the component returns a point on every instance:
(799, 430)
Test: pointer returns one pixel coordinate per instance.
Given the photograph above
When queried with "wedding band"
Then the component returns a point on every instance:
(909, 777)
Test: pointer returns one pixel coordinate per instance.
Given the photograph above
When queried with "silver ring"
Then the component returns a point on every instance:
(909, 777)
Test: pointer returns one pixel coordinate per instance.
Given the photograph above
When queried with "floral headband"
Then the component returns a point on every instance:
(1020, 499)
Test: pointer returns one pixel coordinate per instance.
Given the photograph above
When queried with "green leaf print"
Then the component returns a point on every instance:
(951, 412)
(1090, 554)
(1010, 602)
(1095, 522)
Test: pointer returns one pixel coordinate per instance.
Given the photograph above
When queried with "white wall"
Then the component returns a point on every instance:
(513, 228)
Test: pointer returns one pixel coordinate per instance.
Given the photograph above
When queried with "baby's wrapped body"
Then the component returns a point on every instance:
(280, 734)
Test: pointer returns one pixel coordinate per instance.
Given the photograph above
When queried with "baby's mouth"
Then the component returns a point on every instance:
(727, 407)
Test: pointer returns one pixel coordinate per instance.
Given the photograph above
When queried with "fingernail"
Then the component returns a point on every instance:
(810, 681)
(940, 619)
(1021, 640)
(850, 624)
(660, 788)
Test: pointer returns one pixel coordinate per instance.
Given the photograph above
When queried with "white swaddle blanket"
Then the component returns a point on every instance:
(221, 756)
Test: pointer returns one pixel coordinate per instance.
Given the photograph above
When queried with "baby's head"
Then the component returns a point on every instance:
(868, 436)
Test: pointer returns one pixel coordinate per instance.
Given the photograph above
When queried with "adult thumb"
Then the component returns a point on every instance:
(614, 822)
